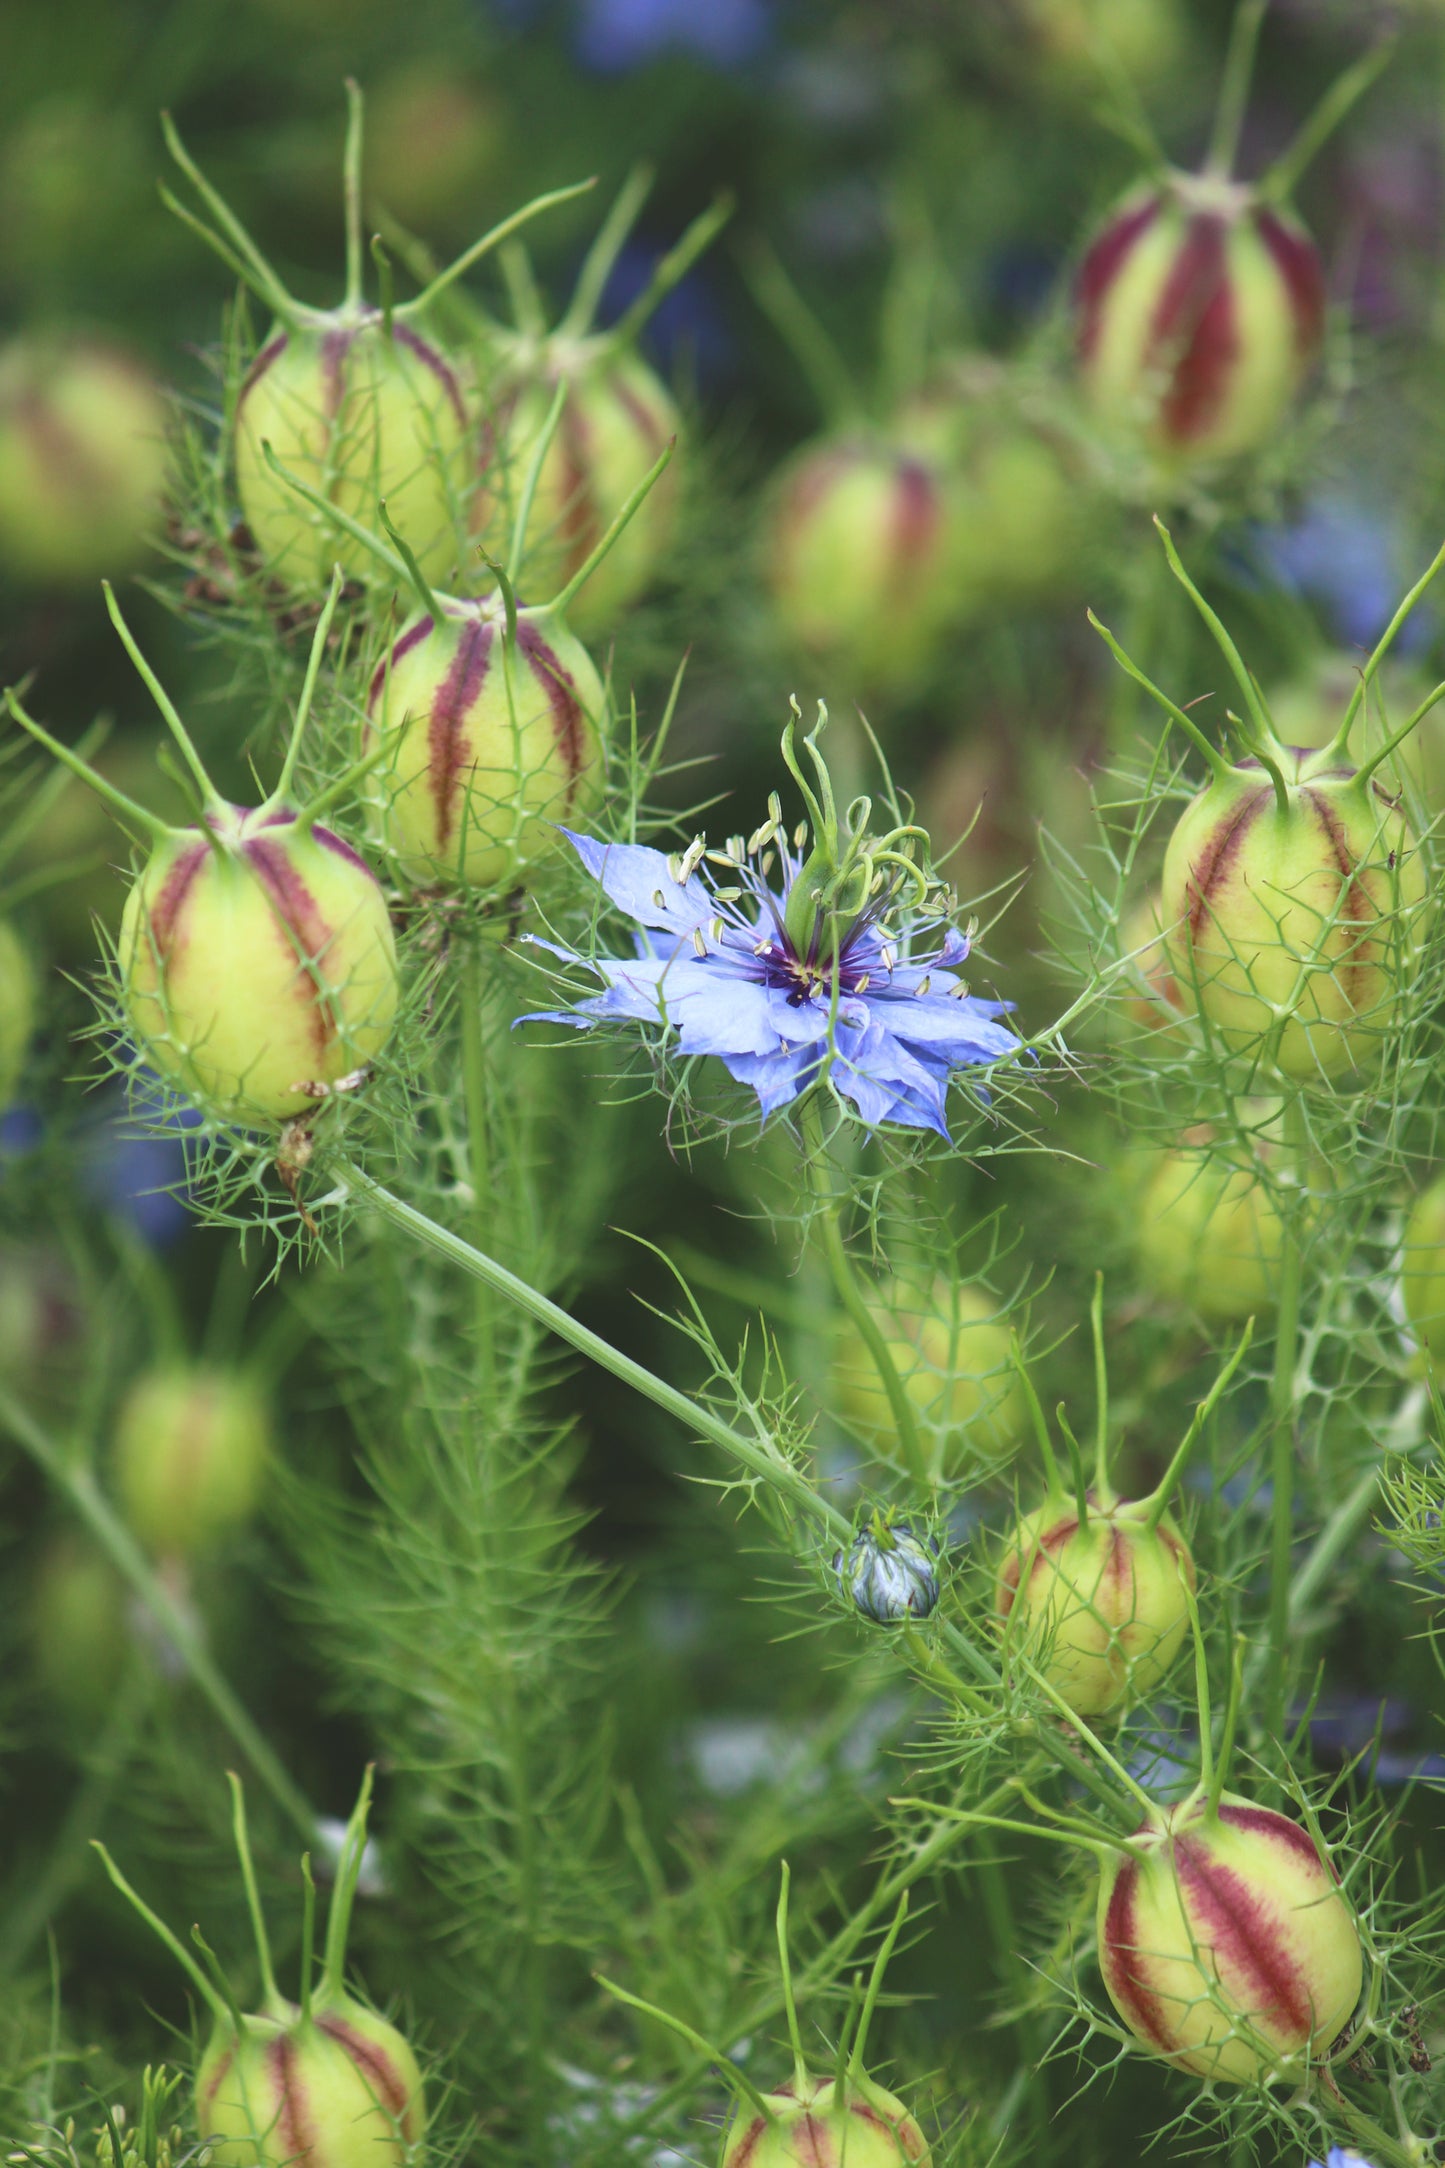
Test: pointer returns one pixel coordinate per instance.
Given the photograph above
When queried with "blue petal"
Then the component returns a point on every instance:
(635, 878)
(776, 1078)
(960, 1030)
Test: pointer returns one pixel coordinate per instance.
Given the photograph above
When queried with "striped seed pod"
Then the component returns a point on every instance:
(1154, 1002)
(820, 2124)
(950, 1348)
(491, 738)
(337, 2089)
(615, 422)
(1225, 1943)
(1199, 312)
(1293, 929)
(858, 558)
(1208, 1230)
(359, 410)
(82, 461)
(190, 1448)
(1102, 1605)
(257, 962)
(1422, 1274)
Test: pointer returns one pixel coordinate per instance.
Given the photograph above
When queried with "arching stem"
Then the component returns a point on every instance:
(282, 791)
(1234, 87)
(210, 797)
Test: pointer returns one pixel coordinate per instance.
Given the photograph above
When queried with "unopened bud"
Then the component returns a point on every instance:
(888, 1573)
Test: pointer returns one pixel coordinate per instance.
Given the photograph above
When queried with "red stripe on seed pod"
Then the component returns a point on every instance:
(376, 2067)
(388, 663)
(1352, 972)
(334, 349)
(813, 2143)
(578, 527)
(1102, 265)
(272, 351)
(305, 930)
(756, 2131)
(163, 913)
(447, 743)
(59, 452)
(1194, 329)
(916, 517)
(217, 2078)
(1217, 858)
(1298, 262)
(1279, 1829)
(340, 848)
(642, 417)
(291, 2126)
(1225, 1912)
(1140, 2005)
(568, 722)
(440, 369)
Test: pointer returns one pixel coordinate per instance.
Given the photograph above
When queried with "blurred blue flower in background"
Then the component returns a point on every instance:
(615, 35)
(133, 1162)
(1342, 2157)
(688, 330)
(1346, 557)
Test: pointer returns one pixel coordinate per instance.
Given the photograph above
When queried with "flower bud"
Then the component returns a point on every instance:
(1225, 1944)
(1293, 930)
(191, 1445)
(339, 2089)
(360, 414)
(1200, 310)
(257, 962)
(1208, 1231)
(490, 743)
(17, 1009)
(888, 1573)
(614, 426)
(1422, 1274)
(951, 1351)
(82, 461)
(818, 2121)
(1102, 1607)
(859, 565)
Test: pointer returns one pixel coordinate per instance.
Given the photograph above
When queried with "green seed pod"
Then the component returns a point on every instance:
(360, 410)
(17, 1009)
(491, 739)
(1294, 927)
(1225, 1943)
(950, 1348)
(1208, 1232)
(191, 1445)
(1080, 43)
(817, 2121)
(257, 962)
(78, 1626)
(337, 2089)
(1422, 1274)
(82, 461)
(1103, 1606)
(616, 420)
(1156, 1003)
(1200, 310)
(858, 550)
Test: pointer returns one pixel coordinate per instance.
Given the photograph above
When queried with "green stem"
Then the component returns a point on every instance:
(1014, 1981)
(850, 1294)
(90, 1503)
(1281, 1408)
(759, 1456)
(474, 1094)
(1234, 90)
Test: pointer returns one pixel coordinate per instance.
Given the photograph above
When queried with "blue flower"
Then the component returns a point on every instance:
(615, 35)
(867, 999)
(1342, 2157)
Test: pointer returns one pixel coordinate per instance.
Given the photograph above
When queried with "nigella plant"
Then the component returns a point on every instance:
(828, 958)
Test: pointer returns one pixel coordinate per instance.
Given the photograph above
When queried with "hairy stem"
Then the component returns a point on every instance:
(1282, 1422)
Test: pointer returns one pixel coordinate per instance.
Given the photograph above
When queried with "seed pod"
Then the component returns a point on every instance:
(82, 461)
(1225, 1944)
(858, 558)
(359, 412)
(191, 1445)
(1422, 1273)
(888, 1573)
(1103, 1607)
(339, 2089)
(950, 1348)
(257, 962)
(1200, 310)
(490, 742)
(17, 1009)
(1208, 1232)
(1307, 711)
(818, 2121)
(614, 425)
(1156, 1004)
(1294, 930)
(78, 1626)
